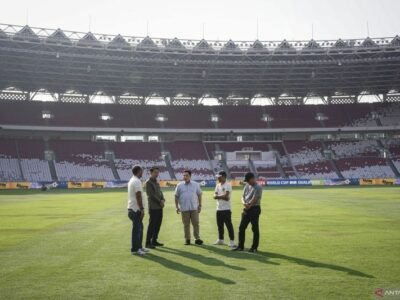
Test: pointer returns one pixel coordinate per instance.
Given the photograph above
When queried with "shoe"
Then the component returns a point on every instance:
(150, 246)
(237, 249)
(158, 244)
(253, 250)
(219, 242)
(145, 250)
(198, 242)
(187, 242)
(232, 244)
(140, 252)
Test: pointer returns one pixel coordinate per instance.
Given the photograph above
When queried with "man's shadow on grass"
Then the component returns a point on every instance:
(315, 264)
(239, 254)
(264, 256)
(206, 260)
(173, 265)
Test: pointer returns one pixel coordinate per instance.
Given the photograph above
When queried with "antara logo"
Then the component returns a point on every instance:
(379, 292)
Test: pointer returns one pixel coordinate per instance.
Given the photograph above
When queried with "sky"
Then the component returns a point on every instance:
(222, 19)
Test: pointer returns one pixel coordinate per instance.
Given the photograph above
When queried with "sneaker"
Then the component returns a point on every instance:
(219, 242)
(140, 252)
(237, 249)
(158, 244)
(198, 242)
(145, 250)
(187, 242)
(253, 250)
(232, 244)
(150, 246)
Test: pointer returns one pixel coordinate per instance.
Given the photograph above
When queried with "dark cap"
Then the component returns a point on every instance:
(221, 174)
(248, 176)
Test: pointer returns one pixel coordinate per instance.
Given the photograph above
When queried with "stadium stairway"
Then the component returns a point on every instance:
(278, 162)
(290, 161)
(52, 166)
(167, 159)
(19, 160)
(114, 169)
(333, 163)
(389, 160)
(111, 161)
(253, 168)
(53, 172)
(208, 156)
(223, 162)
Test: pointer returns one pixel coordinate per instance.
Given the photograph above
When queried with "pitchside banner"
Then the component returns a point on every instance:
(20, 185)
(379, 181)
(332, 182)
(169, 183)
(23, 185)
(288, 182)
(86, 184)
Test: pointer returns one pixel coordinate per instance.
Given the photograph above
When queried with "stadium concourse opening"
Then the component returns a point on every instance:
(75, 107)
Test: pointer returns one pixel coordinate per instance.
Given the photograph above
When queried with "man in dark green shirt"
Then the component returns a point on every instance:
(156, 201)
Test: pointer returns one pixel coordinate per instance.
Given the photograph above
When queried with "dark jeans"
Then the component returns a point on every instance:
(156, 216)
(250, 216)
(224, 218)
(137, 230)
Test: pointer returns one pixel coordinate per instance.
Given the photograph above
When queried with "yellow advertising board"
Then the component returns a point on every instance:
(169, 183)
(20, 185)
(86, 184)
(378, 181)
(236, 182)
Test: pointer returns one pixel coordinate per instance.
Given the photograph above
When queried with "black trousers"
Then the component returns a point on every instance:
(224, 218)
(156, 216)
(250, 216)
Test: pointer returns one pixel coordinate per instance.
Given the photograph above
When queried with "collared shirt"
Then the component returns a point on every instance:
(188, 195)
(154, 194)
(220, 190)
(252, 191)
(134, 186)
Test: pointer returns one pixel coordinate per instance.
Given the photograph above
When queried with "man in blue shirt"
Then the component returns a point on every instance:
(188, 204)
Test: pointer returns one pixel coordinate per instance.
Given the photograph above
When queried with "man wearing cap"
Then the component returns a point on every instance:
(223, 191)
(251, 199)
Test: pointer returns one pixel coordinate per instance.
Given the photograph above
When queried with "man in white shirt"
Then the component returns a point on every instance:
(223, 191)
(136, 210)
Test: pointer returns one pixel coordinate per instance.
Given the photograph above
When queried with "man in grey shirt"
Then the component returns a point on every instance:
(251, 199)
(188, 204)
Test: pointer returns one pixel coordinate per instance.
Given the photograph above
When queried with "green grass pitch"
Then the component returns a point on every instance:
(316, 243)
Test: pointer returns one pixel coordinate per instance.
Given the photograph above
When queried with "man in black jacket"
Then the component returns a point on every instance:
(156, 201)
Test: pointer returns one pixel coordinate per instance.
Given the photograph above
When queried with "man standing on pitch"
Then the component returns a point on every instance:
(156, 201)
(223, 191)
(251, 199)
(136, 210)
(188, 203)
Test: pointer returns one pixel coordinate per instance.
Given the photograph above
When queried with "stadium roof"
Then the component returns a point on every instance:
(59, 61)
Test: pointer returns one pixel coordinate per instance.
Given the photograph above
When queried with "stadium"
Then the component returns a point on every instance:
(314, 120)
